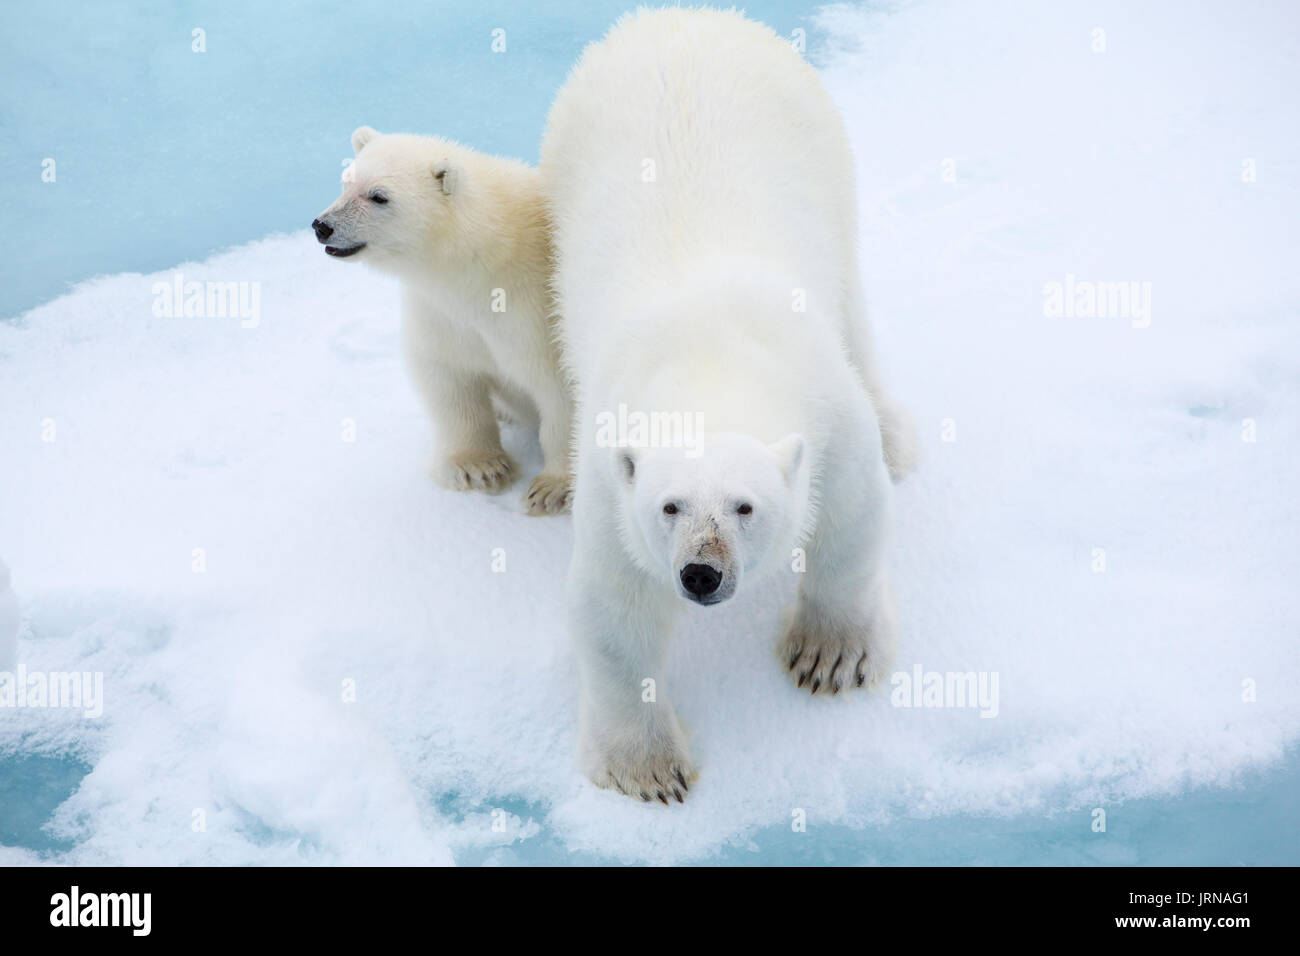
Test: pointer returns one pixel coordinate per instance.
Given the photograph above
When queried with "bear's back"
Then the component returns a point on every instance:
(684, 136)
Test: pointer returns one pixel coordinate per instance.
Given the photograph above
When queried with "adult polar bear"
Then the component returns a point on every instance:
(702, 198)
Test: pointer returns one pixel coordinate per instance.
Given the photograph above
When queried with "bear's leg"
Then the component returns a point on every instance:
(451, 370)
(550, 492)
(534, 365)
(471, 457)
(897, 429)
(629, 737)
(841, 631)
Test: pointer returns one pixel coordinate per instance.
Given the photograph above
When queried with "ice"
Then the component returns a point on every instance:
(334, 568)
(10, 620)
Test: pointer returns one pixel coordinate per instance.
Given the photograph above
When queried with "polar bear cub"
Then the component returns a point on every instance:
(703, 206)
(467, 235)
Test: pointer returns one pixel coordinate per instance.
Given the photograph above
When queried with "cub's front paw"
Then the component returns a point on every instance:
(470, 472)
(828, 654)
(548, 495)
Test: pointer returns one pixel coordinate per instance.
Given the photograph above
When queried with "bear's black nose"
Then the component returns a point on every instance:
(700, 579)
(323, 231)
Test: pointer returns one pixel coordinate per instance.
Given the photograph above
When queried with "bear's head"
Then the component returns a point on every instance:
(397, 193)
(708, 515)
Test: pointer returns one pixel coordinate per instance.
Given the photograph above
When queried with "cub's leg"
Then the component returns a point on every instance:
(530, 364)
(449, 368)
(551, 492)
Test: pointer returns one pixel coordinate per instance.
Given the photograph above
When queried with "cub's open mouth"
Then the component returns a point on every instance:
(344, 253)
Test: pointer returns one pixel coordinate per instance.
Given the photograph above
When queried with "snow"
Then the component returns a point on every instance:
(10, 621)
(335, 569)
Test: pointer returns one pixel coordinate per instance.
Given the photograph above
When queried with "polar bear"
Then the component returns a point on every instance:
(467, 235)
(703, 213)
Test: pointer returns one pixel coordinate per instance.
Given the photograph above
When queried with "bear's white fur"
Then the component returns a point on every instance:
(467, 235)
(703, 205)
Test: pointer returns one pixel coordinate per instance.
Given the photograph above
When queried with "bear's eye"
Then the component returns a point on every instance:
(379, 198)
(670, 509)
(745, 509)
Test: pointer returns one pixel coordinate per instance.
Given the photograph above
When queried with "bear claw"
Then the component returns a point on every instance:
(548, 495)
(491, 473)
(666, 777)
(829, 664)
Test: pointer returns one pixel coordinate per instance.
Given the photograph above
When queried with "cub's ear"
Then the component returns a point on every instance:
(625, 465)
(446, 175)
(360, 136)
(789, 455)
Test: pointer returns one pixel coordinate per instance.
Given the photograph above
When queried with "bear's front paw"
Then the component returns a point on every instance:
(656, 773)
(548, 495)
(829, 655)
(491, 473)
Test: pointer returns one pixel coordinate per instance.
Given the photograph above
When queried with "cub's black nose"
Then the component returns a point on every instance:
(323, 231)
(700, 579)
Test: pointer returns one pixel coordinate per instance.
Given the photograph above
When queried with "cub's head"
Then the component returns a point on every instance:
(396, 195)
(707, 516)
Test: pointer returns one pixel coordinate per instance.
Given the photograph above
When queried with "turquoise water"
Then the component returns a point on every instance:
(1253, 823)
(30, 790)
(163, 155)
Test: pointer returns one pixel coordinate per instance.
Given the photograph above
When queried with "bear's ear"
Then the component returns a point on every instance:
(446, 175)
(789, 455)
(625, 465)
(360, 136)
